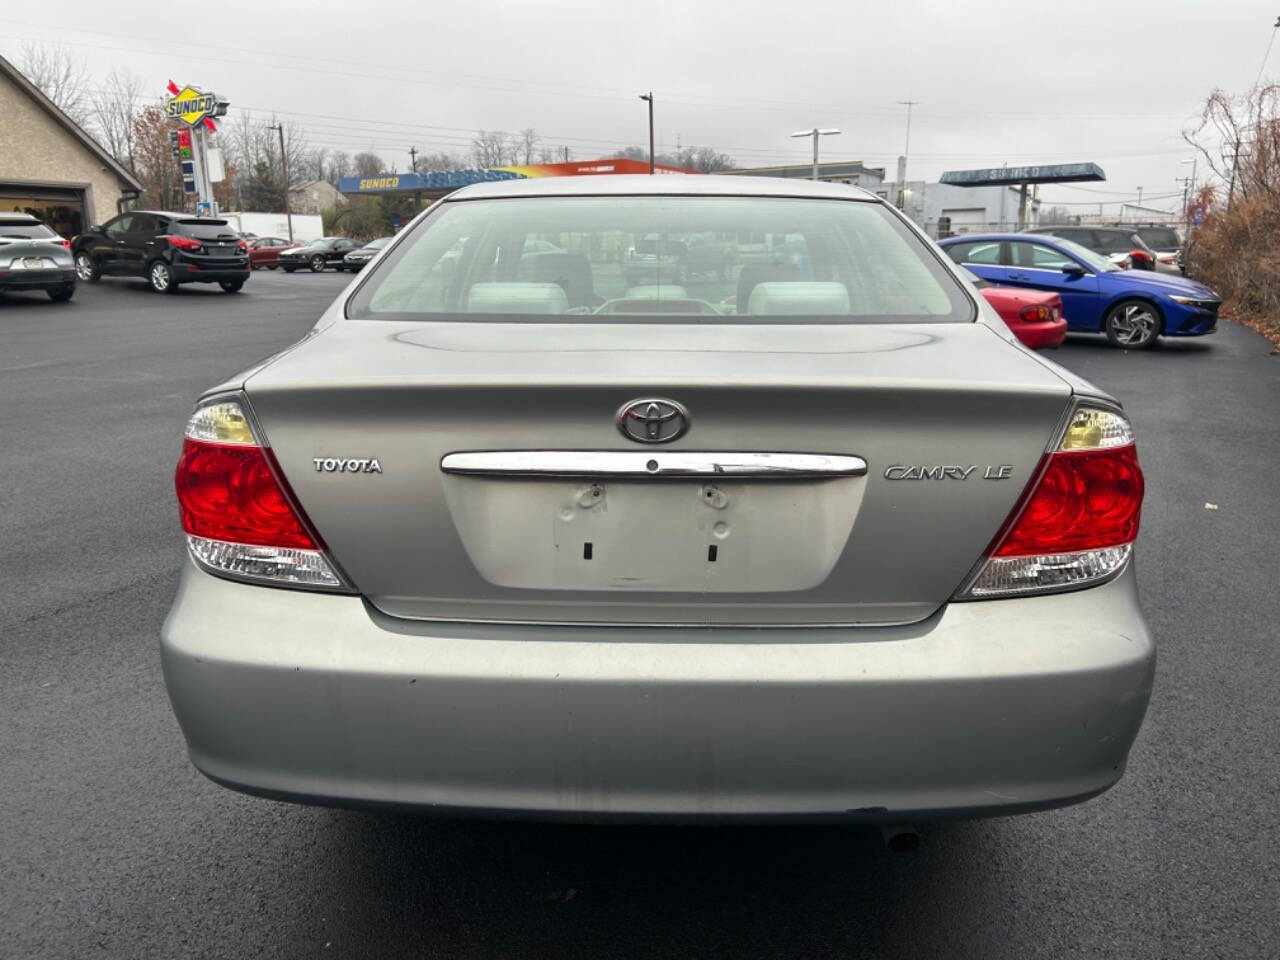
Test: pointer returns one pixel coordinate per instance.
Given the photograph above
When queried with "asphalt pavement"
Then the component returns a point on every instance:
(112, 845)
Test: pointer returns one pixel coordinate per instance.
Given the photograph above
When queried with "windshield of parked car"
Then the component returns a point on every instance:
(668, 258)
(377, 244)
(1094, 261)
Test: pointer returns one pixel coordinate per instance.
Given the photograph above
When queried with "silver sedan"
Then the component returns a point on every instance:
(812, 536)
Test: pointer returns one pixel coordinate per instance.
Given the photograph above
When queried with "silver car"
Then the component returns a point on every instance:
(814, 538)
(33, 257)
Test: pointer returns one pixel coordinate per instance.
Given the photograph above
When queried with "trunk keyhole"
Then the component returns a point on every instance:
(711, 553)
(586, 550)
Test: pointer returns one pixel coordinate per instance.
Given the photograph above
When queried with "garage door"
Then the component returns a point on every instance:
(963, 220)
(61, 209)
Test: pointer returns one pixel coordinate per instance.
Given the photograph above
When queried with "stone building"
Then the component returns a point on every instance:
(314, 196)
(49, 166)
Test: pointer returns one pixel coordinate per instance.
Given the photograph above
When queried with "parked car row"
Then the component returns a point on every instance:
(33, 257)
(338, 253)
(1133, 308)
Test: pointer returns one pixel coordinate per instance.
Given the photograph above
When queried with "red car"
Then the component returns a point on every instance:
(1034, 317)
(265, 252)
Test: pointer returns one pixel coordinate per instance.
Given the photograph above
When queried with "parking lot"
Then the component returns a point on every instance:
(113, 845)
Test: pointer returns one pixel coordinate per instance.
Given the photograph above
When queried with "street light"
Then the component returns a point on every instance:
(816, 132)
(649, 96)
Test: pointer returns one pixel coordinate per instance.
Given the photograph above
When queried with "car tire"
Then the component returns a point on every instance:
(290, 269)
(61, 293)
(160, 277)
(271, 266)
(317, 264)
(231, 286)
(1133, 325)
(86, 269)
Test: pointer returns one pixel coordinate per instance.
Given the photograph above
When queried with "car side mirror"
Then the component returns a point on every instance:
(1073, 270)
(96, 228)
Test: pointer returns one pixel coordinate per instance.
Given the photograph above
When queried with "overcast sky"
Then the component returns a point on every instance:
(1023, 82)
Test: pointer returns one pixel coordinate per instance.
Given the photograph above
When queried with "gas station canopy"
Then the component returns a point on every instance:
(1044, 173)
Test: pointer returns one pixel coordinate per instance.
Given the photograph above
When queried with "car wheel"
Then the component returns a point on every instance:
(1133, 325)
(86, 269)
(231, 286)
(317, 264)
(290, 269)
(271, 266)
(62, 293)
(160, 278)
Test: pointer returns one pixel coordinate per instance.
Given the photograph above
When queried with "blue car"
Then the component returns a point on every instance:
(1133, 308)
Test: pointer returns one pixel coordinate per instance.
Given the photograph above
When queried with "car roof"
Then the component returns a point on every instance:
(983, 237)
(631, 184)
(19, 218)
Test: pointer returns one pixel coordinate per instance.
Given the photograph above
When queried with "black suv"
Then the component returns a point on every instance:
(165, 248)
(1119, 244)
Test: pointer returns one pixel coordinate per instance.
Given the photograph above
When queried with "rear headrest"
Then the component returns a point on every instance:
(658, 291)
(517, 298)
(804, 297)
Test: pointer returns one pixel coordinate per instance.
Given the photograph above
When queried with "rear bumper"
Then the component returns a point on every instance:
(984, 708)
(36, 279)
(186, 271)
(1040, 335)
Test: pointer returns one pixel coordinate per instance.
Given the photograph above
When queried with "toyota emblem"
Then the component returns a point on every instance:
(653, 420)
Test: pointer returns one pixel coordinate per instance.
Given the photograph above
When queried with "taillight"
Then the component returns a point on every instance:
(1035, 314)
(1075, 525)
(242, 247)
(236, 511)
(184, 243)
(65, 243)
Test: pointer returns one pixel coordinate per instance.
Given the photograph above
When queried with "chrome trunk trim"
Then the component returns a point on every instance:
(667, 464)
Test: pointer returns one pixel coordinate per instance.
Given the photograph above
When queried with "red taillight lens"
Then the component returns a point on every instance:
(242, 246)
(228, 492)
(1140, 256)
(1034, 314)
(1085, 500)
(65, 243)
(1074, 527)
(184, 243)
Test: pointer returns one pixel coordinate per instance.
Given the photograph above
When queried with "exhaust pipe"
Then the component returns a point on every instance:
(900, 837)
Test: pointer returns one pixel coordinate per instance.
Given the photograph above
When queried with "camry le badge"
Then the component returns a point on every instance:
(942, 472)
(652, 420)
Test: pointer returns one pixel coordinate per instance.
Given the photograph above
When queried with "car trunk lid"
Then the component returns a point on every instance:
(950, 421)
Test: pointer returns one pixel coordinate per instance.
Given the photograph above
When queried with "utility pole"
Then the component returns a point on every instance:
(816, 132)
(566, 154)
(284, 158)
(649, 96)
(413, 159)
(906, 153)
(1139, 197)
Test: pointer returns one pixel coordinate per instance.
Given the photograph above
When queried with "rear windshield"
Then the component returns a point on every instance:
(204, 228)
(700, 259)
(25, 230)
(1160, 238)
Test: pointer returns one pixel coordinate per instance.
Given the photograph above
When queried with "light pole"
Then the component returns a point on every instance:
(1139, 199)
(284, 157)
(649, 96)
(816, 132)
(906, 153)
(1188, 197)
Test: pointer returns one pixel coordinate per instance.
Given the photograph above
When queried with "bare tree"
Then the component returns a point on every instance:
(553, 155)
(368, 164)
(115, 106)
(440, 161)
(527, 144)
(61, 76)
(339, 167)
(492, 148)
